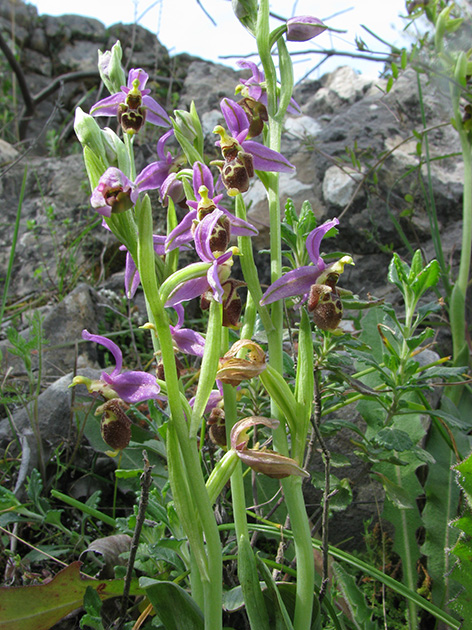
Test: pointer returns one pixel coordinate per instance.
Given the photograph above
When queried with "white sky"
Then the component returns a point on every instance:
(182, 26)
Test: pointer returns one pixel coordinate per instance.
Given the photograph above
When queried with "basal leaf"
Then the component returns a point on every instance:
(174, 606)
(396, 493)
(40, 606)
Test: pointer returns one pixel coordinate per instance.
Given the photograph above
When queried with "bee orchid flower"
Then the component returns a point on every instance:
(299, 281)
(132, 387)
(132, 105)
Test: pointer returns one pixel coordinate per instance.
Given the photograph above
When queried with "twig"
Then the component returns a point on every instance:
(282, 548)
(315, 421)
(145, 480)
(15, 66)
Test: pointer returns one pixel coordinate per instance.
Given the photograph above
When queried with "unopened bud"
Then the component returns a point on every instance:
(303, 28)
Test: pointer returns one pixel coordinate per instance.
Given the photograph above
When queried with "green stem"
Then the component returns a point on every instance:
(292, 486)
(247, 570)
(209, 365)
(457, 312)
(249, 268)
(185, 459)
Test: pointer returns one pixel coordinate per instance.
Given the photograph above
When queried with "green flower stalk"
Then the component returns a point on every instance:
(184, 463)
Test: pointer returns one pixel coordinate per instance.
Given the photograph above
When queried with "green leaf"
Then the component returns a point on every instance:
(361, 611)
(7, 500)
(396, 493)
(92, 605)
(426, 279)
(417, 340)
(249, 579)
(307, 220)
(442, 500)
(404, 59)
(416, 266)
(39, 607)
(462, 572)
(398, 273)
(288, 236)
(393, 439)
(280, 609)
(174, 606)
(291, 216)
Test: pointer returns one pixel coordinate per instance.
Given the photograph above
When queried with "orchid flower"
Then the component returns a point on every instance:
(255, 87)
(132, 387)
(216, 398)
(132, 105)
(115, 193)
(262, 460)
(206, 202)
(186, 340)
(299, 281)
(218, 272)
(168, 165)
(233, 369)
(241, 156)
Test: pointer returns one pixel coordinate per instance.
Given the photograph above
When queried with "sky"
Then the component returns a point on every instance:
(182, 26)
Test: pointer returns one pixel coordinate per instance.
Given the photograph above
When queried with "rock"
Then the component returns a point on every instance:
(206, 84)
(339, 185)
(53, 415)
(8, 153)
(61, 328)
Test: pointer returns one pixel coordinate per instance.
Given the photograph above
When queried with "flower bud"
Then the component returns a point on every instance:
(304, 28)
(88, 132)
(109, 67)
